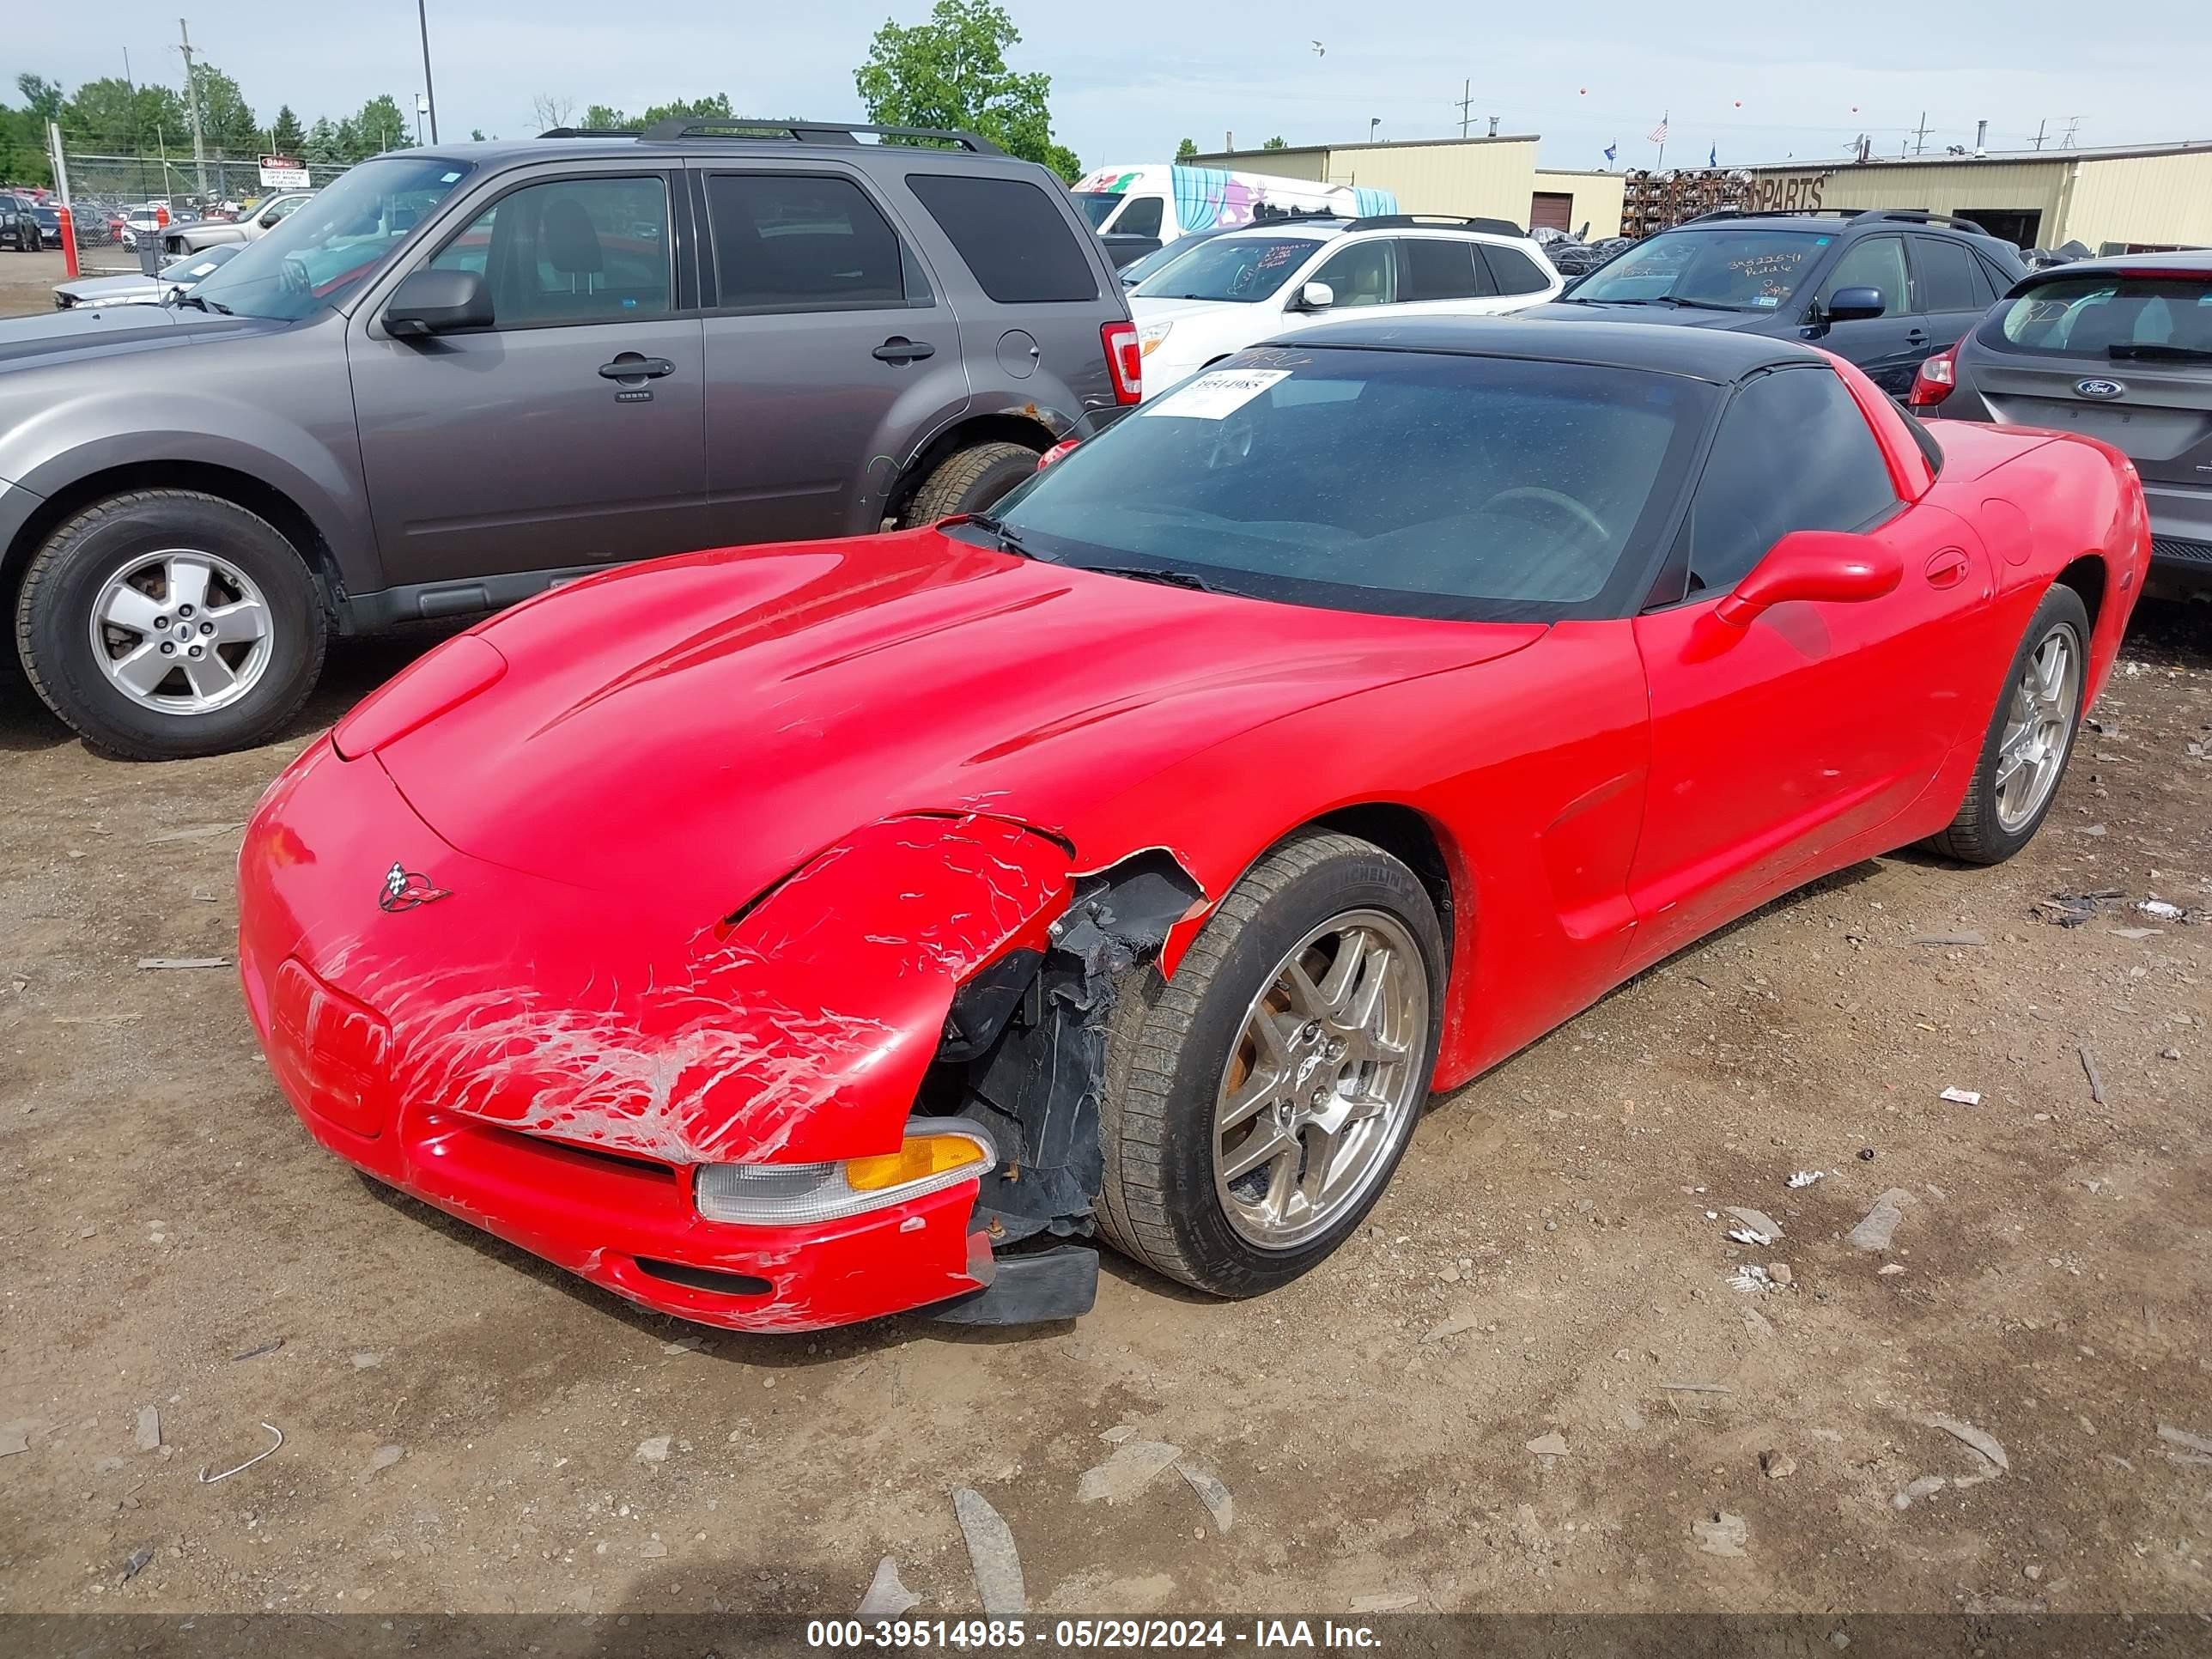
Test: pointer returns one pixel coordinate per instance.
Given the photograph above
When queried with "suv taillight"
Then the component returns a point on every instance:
(1938, 374)
(1125, 359)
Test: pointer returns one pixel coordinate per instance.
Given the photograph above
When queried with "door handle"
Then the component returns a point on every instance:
(1948, 568)
(1917, 335)
(900, 350)
(631, 367)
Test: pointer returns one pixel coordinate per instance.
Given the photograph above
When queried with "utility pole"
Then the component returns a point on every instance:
(192, 98)
(2072, 122)
(2040, 125)
(1920, 136)
(430, 91)
(1466, 102)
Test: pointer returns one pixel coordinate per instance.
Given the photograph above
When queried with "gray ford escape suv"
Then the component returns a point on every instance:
(459, 376)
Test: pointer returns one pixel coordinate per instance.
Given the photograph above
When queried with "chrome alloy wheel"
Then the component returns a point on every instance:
(181, 631)
(1322, 1081)
(2038, 723)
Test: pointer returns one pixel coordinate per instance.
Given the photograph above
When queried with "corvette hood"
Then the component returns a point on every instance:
(714, 721)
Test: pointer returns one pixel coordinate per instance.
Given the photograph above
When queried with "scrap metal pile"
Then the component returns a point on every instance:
(1652, 201)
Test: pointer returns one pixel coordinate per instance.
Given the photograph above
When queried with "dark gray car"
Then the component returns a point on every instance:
(1882, 289)
(2119, 349)
(460, 376)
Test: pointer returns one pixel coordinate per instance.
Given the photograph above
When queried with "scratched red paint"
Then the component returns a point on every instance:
(925, 741)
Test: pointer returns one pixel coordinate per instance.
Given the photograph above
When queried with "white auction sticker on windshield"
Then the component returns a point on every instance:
(1216, 394)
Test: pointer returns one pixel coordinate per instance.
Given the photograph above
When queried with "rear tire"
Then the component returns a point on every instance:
(1183, 1052)
(969, 481)
(188, 571)
(2029, 739)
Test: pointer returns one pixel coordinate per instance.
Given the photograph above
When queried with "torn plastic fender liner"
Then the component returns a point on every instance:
(1037, 1086)
(800, 1035)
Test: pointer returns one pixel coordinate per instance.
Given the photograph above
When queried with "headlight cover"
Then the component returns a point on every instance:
(936, 1153)
(1149, 336)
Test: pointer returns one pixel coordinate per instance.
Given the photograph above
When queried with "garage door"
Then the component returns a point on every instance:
(1552, 207)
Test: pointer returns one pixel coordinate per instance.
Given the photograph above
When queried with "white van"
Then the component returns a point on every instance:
(1138, 209)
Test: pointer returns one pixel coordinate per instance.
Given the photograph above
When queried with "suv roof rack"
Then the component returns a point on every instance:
(684, 129)
(1402, 221)
(1849, 216)
(589, 132)
(1921, 216)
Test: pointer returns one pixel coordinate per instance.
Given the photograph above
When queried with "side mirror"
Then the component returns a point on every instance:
(438, 302)
(1833, 566)
(1314, 296)
(1850, 304)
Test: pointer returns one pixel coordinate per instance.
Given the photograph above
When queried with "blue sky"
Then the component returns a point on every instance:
(1131, 78)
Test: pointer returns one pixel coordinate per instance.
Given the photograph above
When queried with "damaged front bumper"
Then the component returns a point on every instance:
(560, 1066)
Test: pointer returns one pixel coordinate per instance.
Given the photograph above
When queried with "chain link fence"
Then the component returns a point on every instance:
(115, 201)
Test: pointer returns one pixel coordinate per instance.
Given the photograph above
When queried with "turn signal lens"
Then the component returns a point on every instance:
(938, 1153)
(921, 1157)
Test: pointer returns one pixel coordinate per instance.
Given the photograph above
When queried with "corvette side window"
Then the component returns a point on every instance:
(1793, 453)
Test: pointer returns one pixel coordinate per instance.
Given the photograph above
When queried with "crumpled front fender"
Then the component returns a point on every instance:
(797, 1031)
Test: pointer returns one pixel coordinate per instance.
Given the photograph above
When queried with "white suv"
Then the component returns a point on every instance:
(1233, 290)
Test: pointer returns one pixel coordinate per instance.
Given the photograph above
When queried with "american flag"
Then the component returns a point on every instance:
(1658, 135)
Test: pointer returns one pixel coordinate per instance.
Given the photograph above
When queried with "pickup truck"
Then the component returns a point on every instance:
(177, 241)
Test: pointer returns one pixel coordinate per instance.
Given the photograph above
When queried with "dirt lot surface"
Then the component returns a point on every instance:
(465, 1429)
(26, 281)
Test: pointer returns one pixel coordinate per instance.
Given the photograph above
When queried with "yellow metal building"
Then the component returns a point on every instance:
(1490, 178)
(2125, 198)
(2111, 200)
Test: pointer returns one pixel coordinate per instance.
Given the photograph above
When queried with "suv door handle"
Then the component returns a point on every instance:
(900, 350)
(631, 367)
(1917, 335)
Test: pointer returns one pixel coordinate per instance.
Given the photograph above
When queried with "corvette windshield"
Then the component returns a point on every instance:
(1413, 484)
(1244, 268)
(334, 242)
(1720, 269)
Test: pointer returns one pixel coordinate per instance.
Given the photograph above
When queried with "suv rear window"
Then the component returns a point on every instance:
(790, 241)
(2107, 314)
(1515, 271)
(1013, 236)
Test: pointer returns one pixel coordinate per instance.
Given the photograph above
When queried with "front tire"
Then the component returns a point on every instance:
(2029, 739)
(969, 481)
(164, 624)
(1257, 1103)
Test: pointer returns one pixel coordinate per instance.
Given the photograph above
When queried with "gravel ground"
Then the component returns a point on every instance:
(466, 1428)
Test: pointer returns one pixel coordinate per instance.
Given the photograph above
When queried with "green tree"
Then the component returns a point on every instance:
(607, 118)
(381, 125)
(715, 106)
(285, 136)
(951, 72)
(1186, 150)
(321, 145)
(476, 135)
(42, 99)
(23, 147)
(1275, 143)
(110, 117)
(227, 124)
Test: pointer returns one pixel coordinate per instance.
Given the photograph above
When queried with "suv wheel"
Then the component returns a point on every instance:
(164, 624)
(969, 481)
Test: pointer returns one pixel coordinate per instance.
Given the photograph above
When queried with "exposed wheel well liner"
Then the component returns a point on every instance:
(1408, 836)
(240, 488)
(1003, 429)
(2087, 577)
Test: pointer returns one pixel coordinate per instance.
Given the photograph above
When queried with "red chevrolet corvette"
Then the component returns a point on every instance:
(783, 936)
